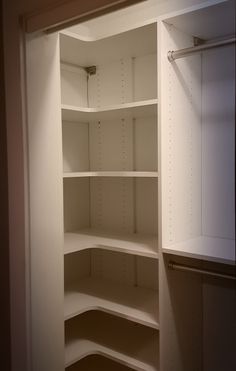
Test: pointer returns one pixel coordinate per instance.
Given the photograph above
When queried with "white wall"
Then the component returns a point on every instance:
(17, 175)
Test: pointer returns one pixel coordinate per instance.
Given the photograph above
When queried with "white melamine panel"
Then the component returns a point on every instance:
(112, 84)
(110, 148)
(146, 205)
(145, 144)
(181, 140)
(209, 21)
(137, 244)
(181, 311)
(45, 204)
(111, 145)
(112, 204)
(74, 85)
(113, 266)
(219, 325)
(218, 143)
(140, 109)
(93, 333)
(147, 274)
(134, 43)
(132, 303)
(75, 139)
(76, 267)
(76, 204)
(145, 77)
(95, 363)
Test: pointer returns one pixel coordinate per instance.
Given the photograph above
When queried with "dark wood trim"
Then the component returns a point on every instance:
(67, 13)
(5, 337)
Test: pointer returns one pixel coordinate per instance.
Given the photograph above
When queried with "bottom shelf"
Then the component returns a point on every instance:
(219, 250)
(95, 363)
(132, 345)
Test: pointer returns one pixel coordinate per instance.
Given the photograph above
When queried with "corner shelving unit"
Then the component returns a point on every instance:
(109, 134)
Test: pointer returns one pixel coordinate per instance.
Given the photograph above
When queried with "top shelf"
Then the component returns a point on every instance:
(127, 110)
(133, 43)
(206, 22)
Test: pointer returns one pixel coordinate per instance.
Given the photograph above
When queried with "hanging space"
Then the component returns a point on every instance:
(197, 92)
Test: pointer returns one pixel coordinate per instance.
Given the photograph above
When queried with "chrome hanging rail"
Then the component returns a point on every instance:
(188, 268)
(176, 54)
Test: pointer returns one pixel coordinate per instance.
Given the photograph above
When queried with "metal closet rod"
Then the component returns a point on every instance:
(176, 54)
(188, 268)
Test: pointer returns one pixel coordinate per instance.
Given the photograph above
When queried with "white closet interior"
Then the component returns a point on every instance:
(131, 173)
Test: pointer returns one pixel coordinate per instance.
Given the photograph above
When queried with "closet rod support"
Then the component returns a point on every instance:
(176, 54)
(188, 268)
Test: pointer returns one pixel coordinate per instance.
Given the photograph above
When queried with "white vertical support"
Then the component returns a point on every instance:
(180, 147)
(45, 203)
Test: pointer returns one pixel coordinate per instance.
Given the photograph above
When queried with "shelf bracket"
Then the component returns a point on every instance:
(198, 41)
(91, 70)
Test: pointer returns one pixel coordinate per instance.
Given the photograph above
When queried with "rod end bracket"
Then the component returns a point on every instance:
(170, 56)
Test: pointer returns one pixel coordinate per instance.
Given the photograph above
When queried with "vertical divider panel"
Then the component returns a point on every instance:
(45, 202)
(180, 198)
(181, 140)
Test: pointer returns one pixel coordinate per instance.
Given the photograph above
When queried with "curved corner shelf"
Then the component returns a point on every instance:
(141, 40)
(97, 362)
(136, 304)
(126, 174)
(135, 346)
(135, 244)
(139, 109)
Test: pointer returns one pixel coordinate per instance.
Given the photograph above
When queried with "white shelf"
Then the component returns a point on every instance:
(133, 43)
(133, 303)
(217, 250)
(135, 174)
(135, 346)
(139, 109)
(136, 244)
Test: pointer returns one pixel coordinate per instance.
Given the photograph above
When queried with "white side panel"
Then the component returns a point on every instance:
(145, 77)
(124, 81)
(113, 266)
(218, 147)
(74, 86)
(76, 204)
(219, 325)
(111, 145)
(112, 204)
(46, 210)
(112, 84)
(146, 206)
(181, 140)
(147, 273)
(145, 143)
(75, 138)
(76, 266)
